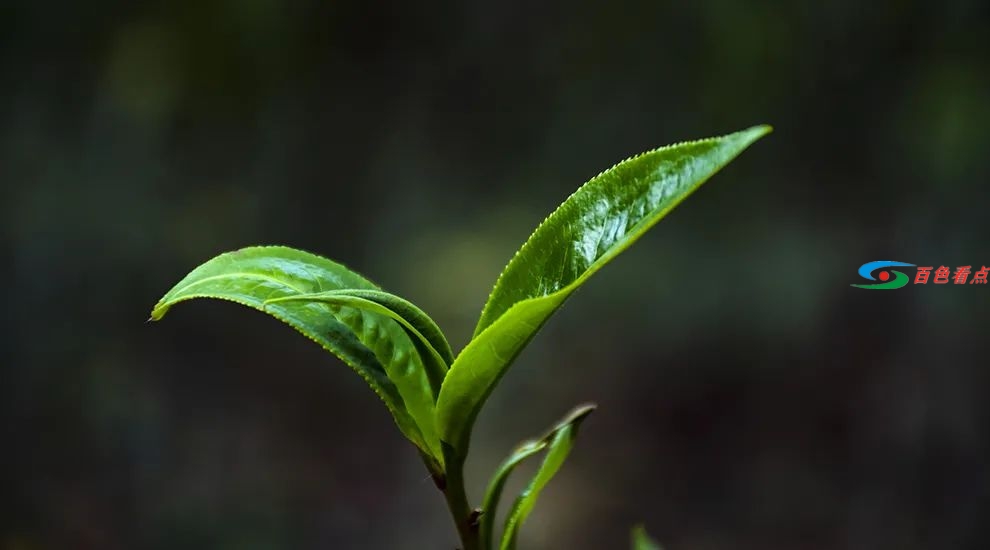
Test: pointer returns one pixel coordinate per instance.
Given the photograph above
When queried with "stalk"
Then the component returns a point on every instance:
(452, 486)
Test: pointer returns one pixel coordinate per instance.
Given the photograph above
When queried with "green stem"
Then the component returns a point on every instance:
(457, 502)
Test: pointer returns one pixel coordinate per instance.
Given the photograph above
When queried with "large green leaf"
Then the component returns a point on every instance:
(559, 443)
(594, 225)
(373, 344)
(525, 450)
(642, 541)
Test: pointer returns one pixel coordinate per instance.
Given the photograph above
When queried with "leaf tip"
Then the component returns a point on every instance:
(576, 416)
(752, 134)
(158, 312)
(581, 411)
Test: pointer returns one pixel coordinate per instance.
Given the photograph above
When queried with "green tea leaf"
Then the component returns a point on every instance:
(493, 494)
(559, 443)
(525, 450)
(593, 226)
(418, 318)
(606, 215)
(374, 345)
(642, 541)
(429, 339)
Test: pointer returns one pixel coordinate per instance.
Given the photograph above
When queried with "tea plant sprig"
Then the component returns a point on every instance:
(433, 395)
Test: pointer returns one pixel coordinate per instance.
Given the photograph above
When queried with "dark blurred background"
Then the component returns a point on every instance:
(749, 397)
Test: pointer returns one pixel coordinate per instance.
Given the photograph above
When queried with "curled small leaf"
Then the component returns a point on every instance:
(558, 443)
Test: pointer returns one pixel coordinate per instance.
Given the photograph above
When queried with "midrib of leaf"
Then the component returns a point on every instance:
(156, 314)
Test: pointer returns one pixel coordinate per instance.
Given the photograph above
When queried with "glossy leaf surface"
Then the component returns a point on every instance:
(426, 335)
(558, 443)
(374, 345)
(595, 224)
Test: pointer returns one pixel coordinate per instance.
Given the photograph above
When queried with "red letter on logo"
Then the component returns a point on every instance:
(941, 275)
(922, 277)
(980, 276)
(961, 274)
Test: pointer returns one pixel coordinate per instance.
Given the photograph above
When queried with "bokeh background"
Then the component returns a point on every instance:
(749, 397)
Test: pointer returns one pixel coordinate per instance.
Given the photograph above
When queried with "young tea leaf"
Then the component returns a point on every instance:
(374, 345)
(559, 443)
(525, 450)
(427, 336)
(642, 541)
(593, 226)
(493, 494)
